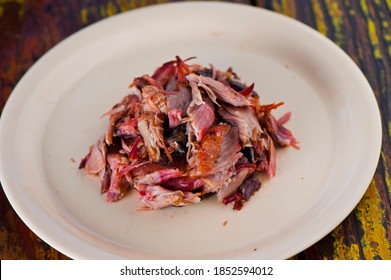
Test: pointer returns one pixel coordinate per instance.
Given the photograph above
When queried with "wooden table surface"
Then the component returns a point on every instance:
(362, 28)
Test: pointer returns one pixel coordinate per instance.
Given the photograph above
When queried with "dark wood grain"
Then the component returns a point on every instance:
(28, 29)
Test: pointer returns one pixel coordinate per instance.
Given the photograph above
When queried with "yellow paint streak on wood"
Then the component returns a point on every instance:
(319, 17)
(349, 8)
(21, 2)
(370, 212)
(21, 5)
(84, 16)
(387, 35)
(337, 18)
(341, 250)
(372, 32)
(124, 5)
(133, 4)
(373, 38)
(276, 6)
(111, 9)
(387, 172)
(377, 53)
(364, 7)
(289, 8)
(102, 11)
(143, 3)
(371, 26)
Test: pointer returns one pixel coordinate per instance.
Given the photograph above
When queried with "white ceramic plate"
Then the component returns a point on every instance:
(53, 116)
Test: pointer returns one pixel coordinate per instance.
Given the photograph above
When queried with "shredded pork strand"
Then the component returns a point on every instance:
(186, 132)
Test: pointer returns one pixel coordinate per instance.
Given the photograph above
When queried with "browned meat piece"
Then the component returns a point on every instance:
(184, 132)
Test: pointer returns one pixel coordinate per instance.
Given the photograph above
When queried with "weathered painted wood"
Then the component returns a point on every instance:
(362, 28)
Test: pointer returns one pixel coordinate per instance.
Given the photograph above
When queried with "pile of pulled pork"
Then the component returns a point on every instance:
(184, 133)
